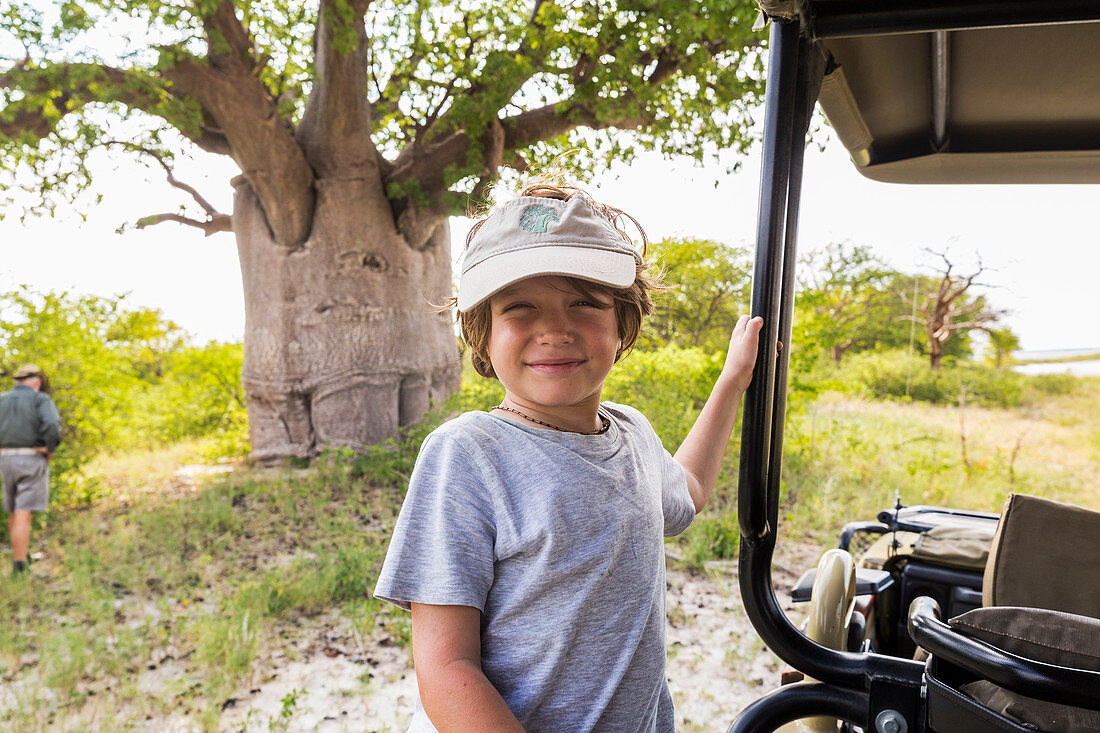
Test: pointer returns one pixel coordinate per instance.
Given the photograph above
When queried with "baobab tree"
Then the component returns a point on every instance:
(358, 128)
(946, 309)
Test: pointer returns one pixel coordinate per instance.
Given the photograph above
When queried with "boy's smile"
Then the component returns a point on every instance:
(552, 348)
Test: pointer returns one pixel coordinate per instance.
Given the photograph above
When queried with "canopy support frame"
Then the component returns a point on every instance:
(796, 69)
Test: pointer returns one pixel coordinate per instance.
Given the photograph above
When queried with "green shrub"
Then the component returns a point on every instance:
(668, 385)
(713, 538)
(1054, 384)
(476, 393)
(891, 375)
(122, 378)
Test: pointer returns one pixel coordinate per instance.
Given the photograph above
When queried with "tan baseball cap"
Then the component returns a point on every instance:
(29, 370)
(534, 236)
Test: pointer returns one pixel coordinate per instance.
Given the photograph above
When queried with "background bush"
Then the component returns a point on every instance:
(893, 375)
(122, 378)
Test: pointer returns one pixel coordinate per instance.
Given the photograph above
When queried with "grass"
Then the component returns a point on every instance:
(195, 583)
(846, 458)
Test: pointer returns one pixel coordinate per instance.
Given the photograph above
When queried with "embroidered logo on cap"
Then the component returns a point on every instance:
(536, 218)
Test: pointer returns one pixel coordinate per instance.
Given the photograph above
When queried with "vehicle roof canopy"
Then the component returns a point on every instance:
(920, 92)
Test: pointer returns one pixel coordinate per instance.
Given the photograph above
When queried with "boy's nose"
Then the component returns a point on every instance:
(555, 329)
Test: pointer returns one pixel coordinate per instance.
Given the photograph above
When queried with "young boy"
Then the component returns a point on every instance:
(530, 545)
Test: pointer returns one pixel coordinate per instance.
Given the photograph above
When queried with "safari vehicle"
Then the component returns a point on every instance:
(923, 91)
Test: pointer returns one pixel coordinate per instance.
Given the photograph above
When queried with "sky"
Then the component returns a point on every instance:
(1038, 244)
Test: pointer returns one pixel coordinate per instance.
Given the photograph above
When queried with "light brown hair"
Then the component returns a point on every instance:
(632, 304)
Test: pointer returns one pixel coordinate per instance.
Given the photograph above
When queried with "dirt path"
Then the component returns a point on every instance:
(328, 680)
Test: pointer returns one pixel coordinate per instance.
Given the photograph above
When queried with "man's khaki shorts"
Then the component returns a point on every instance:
(26, 482)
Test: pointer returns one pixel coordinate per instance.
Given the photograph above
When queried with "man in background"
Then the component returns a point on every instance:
(30, 431)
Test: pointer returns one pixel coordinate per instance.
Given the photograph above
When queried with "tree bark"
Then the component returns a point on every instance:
(935, 350)
(342, 344)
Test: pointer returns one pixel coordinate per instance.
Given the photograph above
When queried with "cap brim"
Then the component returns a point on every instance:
(614, 269)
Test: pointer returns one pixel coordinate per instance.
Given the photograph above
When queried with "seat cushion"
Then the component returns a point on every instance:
(1053, 637)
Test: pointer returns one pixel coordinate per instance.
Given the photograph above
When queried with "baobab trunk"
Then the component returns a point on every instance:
(935, 349)
(342, 343)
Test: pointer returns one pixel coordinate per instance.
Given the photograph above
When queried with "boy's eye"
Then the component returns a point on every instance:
(590, 304)
(514, 306)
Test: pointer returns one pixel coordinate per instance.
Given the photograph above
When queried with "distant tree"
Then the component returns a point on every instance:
(359, 127)
(710, 287)
(1002, 342)
(948, 308)
(846, 301)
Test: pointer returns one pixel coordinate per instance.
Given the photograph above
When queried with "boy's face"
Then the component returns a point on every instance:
(549, 345)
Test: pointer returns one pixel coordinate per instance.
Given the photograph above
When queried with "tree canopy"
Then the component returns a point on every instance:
(709, 286)
(847, 301)
(437, 95)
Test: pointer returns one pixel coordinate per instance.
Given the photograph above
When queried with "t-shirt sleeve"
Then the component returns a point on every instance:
(676, 501)
(442, 548)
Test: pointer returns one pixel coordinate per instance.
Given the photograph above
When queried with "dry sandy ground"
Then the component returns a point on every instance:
(337, 682)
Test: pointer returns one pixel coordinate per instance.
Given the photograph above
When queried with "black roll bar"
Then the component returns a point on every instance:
(798, 701)
(794, 73)
(757, 427)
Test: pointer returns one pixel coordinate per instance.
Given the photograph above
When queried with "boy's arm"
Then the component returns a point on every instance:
(455, 693)
(702, 450)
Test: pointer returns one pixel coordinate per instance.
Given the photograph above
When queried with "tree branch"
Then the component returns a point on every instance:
(228, 87)
(226, 36)
(335, 127)
(502, 76)
(215, 220)
(70, 86)
(213, 225)
(209, 208)
(399, 80)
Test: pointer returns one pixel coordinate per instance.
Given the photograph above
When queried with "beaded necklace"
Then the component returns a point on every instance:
(605, 424)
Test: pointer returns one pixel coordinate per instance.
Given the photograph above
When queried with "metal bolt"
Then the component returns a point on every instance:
(890, 721)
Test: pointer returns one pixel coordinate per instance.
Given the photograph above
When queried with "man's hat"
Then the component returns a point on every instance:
(29, 370)
(533, 236)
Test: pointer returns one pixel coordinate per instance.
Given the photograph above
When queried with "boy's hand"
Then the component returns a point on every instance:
(742, 354)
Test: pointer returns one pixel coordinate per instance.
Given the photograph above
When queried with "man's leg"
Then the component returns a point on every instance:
(19, 529)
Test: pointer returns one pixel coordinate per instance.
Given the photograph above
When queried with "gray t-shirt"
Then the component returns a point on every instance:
(558, 539)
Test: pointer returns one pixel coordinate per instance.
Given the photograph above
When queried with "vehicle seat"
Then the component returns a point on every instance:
(1041, 600)
(1045, 554)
